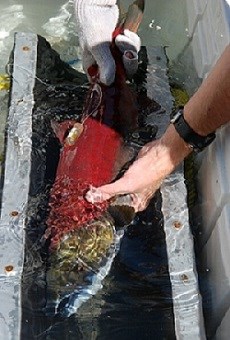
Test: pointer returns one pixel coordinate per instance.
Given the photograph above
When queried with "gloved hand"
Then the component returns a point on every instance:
(96, 21)
(129, 44)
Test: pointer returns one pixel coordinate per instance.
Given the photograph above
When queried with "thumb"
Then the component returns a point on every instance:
(105, 61)
(105, 192)
(87, 61)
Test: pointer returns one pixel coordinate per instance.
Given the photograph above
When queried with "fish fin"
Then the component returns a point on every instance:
(130, 20)
(134, 15)
(122, 13)
(122, 211)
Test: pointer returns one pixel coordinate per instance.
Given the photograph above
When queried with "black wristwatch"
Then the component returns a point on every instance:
(193, 139)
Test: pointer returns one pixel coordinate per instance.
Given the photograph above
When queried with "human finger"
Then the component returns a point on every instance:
(128, 41)
(105, 192)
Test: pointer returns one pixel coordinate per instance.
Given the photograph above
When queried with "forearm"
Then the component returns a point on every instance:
(176, 150)
(209, 108)
(206, 111)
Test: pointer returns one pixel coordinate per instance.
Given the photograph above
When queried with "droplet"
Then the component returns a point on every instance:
(151, 25)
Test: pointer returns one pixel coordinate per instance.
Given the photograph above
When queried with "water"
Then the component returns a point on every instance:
(164, 22)
(136, 298)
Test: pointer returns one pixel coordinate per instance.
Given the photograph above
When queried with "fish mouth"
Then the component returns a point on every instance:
(77, 267)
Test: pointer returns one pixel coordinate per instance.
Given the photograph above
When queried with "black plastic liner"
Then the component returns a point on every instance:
(136, 301)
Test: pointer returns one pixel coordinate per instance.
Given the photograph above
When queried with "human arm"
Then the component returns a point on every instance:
(209, 108)
(206, 111)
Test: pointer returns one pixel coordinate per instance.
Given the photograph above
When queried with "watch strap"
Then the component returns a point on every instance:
(196, 141)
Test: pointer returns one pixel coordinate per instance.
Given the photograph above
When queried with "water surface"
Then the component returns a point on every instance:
(136, 301)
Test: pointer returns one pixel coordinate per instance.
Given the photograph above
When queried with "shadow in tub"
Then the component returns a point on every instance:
(135, 298)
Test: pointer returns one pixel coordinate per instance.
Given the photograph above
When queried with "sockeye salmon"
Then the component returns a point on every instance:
(83, 239)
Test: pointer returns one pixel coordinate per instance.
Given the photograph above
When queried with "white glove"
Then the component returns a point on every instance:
(129, 44)
(96, 21)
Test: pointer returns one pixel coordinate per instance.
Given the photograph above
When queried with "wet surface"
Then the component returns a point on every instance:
(135, 301)
(136, 298)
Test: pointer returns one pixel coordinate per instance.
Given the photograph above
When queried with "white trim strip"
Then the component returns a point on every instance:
(16, 183)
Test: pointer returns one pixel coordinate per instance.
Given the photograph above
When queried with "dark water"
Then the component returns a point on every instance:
(132, 302)
(135, 302)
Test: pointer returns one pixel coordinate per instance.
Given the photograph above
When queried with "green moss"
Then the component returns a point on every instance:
(4, 82)
(181, 97)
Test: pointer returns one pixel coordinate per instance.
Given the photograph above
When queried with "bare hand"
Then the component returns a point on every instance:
(155, 161)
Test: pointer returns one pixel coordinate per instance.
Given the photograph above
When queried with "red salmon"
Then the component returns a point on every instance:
(93, 151)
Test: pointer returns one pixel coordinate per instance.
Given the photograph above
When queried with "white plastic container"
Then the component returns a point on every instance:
(209, 29)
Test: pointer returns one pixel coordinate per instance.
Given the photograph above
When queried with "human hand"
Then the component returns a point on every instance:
(155, 161)
(129, 43)
(140, 181)
(96, 21)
